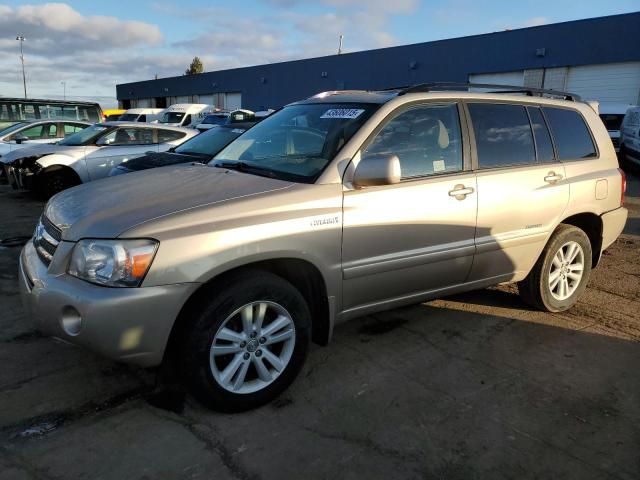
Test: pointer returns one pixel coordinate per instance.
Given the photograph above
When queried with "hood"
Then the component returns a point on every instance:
(106, 208)
(161, 159)
(40, 150)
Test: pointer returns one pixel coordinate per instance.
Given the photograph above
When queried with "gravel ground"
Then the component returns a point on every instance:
(471, 386)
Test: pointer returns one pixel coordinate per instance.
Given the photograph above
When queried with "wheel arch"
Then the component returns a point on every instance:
(591, 224)
(302, 274)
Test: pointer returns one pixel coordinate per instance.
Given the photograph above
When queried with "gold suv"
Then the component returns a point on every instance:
(341, 205)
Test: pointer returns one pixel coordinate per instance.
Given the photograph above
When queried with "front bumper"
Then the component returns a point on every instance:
(613, 223)
(126, 324)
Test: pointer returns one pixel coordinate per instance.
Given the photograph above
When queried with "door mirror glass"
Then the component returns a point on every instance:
(377, 169)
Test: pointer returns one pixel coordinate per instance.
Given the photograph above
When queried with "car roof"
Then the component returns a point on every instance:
(52, 120)
(117, 123)
(439, 90)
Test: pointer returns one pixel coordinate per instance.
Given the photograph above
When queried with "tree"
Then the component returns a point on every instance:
(195, 67)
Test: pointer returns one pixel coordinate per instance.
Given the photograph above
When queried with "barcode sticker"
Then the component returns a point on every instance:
(342, 113)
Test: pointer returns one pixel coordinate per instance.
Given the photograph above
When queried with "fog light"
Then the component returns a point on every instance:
(71, 321)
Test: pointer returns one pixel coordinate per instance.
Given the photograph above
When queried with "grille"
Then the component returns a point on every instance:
(46, 239)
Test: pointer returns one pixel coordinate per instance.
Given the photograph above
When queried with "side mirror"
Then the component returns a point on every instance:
(379, 169)
(20, 139)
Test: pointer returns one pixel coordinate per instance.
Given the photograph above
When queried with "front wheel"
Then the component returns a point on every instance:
(561, 273)
(48, 183)
(247, 344)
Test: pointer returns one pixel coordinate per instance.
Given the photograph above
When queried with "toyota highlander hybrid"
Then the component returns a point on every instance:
(337, 206)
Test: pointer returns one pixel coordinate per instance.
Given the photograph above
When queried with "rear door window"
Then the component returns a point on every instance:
(541, 135)
(570, 133)
(503, 135)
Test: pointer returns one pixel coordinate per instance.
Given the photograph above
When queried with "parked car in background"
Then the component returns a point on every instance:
(241, 115)
(112, 114)
(24, 134)
(630, 137)
(141, 115)
(338, 206)
(612, 115)
(185, 114)
(87, 155)
(213, 120)
(14, 110)
(200, 148)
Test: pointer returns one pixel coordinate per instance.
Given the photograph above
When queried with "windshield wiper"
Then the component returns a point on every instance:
(245, 168)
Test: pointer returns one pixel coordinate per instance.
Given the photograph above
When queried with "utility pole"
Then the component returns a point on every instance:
(21, 39)
(340, 44)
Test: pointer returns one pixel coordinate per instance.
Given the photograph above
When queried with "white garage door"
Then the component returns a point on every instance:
(233, 101)
(607, 83)
(505, 78)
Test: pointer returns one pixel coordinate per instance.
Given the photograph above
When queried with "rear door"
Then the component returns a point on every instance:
(120, 145)
(402, 240)
(522, 188)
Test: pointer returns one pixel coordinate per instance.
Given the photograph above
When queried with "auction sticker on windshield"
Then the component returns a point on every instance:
(342, 113)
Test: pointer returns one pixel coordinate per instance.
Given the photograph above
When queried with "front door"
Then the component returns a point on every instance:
(402, 240)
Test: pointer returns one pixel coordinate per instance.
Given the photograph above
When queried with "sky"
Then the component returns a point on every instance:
(92, 46)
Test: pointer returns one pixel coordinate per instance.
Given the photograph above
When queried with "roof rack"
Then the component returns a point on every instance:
(428, 87)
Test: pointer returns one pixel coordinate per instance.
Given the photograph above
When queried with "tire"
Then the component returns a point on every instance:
(256, 292)
(54, 181)
(538, 291)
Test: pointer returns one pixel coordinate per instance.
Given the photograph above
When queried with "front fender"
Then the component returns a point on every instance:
(77, 165)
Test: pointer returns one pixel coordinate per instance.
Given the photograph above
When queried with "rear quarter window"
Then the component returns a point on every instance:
(570, 133)
(169, 136)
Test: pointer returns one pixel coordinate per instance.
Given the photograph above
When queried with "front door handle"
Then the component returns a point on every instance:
(461, 192)
(552, 177)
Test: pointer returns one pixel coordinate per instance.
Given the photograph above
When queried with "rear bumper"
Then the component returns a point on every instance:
(613, 223)
(126, 324)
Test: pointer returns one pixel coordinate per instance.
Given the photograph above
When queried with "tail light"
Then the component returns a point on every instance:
(623, 186)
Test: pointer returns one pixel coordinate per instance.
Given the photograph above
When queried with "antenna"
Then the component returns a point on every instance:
(340, 44)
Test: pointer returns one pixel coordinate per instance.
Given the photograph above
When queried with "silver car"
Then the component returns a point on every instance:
(341, 205)
(87, 155)
(23, 134)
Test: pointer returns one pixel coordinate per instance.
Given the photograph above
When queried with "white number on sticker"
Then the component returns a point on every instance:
(342, 113)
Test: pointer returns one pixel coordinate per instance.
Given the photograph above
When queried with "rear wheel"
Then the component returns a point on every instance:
(247, 344)
(561, 273)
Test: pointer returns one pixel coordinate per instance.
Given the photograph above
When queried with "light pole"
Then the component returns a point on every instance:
(21, 39)
(64, 90)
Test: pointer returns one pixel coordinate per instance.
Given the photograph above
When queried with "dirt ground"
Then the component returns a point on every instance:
(469, 387)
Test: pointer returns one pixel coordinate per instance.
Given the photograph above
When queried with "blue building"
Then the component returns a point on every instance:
(597, 58)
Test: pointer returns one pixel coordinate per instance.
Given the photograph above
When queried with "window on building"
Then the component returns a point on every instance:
(426, 139)
(572, 137)
(503, 135)
(544, 146)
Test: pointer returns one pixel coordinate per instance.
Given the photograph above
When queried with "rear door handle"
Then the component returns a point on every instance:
(461, 192)
(552, 177)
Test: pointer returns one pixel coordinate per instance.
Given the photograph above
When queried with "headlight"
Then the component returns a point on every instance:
(113, 263)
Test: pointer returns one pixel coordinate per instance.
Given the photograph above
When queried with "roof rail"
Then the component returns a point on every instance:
(428, 87)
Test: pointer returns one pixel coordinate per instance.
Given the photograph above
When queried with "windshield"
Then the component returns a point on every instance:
(84, 137)
(172, 117)
(13, 128)
(216, 119)
(612, 120)
(298, 141)
(129, 117)
(210, 142)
